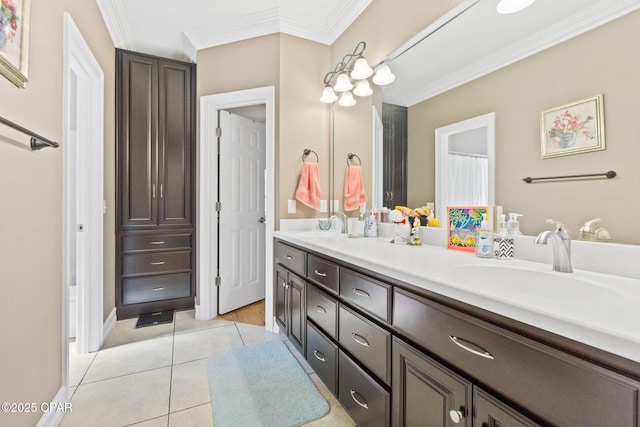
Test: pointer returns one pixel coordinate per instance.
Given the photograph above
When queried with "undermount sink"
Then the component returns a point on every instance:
(513, 281)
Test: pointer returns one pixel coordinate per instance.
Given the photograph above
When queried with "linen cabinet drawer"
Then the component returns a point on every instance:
(322, 355)
(137, 290)
(158, 262)
(156, 242)
(556, 386)
(366, 401)
(367, 342)
(368, 294)
(292, 258)
(323, 310)
(323, 272)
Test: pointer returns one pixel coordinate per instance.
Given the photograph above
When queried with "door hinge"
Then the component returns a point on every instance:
(219, 132)
(218, 206)
(218, 281)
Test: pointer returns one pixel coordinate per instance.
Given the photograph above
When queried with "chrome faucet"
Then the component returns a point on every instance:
(561, 242)
(343, 221)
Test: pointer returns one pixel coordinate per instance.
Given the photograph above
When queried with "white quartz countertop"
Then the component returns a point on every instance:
(599, 310)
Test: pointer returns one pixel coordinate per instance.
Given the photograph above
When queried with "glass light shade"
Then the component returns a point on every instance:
(383, 76)
(361, 70)
(343, 83)
(347, 100)
(362, 88)
(511, 6)
(328, 95)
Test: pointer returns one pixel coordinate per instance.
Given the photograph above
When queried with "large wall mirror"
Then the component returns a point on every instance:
(473, 61)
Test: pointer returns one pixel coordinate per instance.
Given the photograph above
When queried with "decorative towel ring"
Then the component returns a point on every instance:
(306, 153)
(350, 156)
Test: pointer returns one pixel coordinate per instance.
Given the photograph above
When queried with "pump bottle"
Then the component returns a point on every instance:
(484, 239)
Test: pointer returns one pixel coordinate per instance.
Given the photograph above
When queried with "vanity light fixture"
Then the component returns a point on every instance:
(512, 6)
(351, 78)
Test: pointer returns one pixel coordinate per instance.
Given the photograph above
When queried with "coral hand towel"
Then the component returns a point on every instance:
(308, 191)
(354, 194)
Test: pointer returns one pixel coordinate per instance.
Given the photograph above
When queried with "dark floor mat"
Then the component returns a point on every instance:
(150, 319)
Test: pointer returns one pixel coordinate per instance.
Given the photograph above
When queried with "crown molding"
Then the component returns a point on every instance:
(116, 21)
(342, 16)
(581, 22)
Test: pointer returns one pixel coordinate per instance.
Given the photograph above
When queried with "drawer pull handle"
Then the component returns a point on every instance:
(319, 356)
(358, 401)
(158, 263)
(321, 309)
(320, 273)
(471, 347)
(288, 257)
(158, 242)
(456, 415)
(360, 339)
(360, 292)
(159, 288)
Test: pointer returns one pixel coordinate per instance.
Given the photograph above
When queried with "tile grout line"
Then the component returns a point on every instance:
(173, 352)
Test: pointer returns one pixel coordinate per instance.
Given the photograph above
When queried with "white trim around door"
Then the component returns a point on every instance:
(206, 305)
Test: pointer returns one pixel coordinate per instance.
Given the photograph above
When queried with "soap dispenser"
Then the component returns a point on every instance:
(503, 242)
(484, 239)
(513, 226)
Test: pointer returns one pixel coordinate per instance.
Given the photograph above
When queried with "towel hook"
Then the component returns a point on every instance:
(307, 151)
(350, 156)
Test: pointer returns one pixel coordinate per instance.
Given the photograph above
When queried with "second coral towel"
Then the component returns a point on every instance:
(354, 194)
(308, 191)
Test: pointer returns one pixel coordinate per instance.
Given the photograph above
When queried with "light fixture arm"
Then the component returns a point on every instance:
(346, 65)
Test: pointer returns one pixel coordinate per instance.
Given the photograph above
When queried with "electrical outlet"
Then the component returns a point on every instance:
(363, 208)
(292, 207)
(323, 205)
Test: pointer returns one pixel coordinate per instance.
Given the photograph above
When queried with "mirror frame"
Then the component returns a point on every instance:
(443, 135)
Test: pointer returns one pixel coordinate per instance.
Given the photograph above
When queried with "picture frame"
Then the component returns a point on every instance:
(14, 40)
(463, 223)
(573, 128)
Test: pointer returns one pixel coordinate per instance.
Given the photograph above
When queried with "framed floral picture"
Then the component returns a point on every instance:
(14, 40)
(577, 127)
(463, 223)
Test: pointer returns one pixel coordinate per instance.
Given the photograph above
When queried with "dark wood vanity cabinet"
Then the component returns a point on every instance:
(155, 132)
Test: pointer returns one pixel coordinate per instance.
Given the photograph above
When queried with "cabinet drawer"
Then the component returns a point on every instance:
(323, 310)
(155, 242)
(368, 343)
(322, 272)
(367, 293)
(322, 355)
(292, 258)
(556, 386)
(137, 290)
(155, 262)
(366, 401)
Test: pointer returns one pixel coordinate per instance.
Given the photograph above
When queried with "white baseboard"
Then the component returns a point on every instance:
(54, 410)
(109, 323)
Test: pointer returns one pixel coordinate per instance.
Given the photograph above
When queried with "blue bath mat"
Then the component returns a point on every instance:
(262, 385)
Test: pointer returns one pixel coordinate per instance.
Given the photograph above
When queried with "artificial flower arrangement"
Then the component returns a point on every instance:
(424, 214)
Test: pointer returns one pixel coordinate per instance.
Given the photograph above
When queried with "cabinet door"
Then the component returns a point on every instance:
(394, 147)
(280, 296)
(297, 311)
(137, 148)
(425, 393)
(175, 143)
(491, 412)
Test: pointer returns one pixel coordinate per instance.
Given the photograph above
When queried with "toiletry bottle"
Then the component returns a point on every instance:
(484, 239)
(502, 241)
(372, 230)
(366, 224)
(513, 226)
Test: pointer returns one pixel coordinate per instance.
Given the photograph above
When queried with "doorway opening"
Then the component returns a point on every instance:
(215, 109)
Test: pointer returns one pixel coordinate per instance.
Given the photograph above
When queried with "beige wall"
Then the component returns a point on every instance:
(593, 63)
(31, 215)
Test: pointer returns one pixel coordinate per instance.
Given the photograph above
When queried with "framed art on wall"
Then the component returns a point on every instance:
(463, 223)
(14, 40)
(573, 128)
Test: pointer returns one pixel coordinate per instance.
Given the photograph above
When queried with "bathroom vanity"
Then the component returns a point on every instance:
(414, 336)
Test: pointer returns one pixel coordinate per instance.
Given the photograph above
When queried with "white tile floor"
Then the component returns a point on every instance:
(156, 376)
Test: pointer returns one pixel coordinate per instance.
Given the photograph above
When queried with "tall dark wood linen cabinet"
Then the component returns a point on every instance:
(155, 183)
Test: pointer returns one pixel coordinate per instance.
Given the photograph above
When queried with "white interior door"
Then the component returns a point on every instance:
(241, 237)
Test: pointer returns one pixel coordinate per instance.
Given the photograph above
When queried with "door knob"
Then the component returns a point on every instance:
(456, 416)
(262, 220)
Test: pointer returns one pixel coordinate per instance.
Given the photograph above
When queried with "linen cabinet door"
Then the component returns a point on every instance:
(297, 312)
(137, 141)
(280, 286)
(175, 141)
(425, 393)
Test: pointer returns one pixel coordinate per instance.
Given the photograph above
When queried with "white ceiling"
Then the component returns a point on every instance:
(177, 29)
(479, 41)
